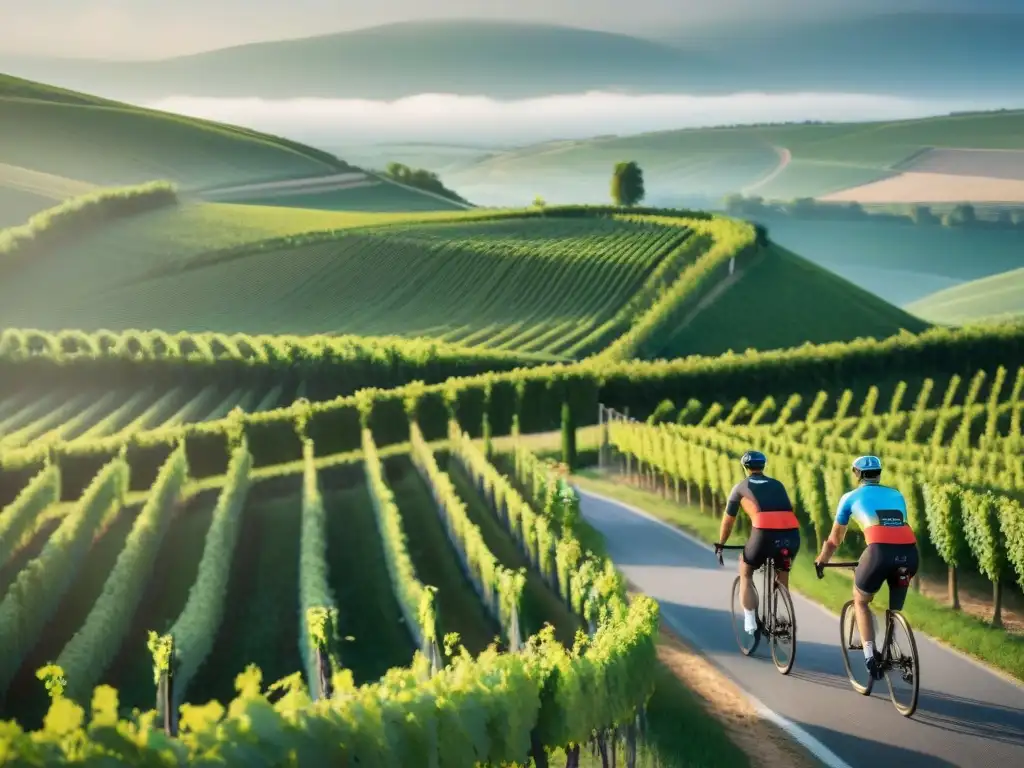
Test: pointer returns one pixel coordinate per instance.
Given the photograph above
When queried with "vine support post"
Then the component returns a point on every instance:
(165, 694)
(323, 673)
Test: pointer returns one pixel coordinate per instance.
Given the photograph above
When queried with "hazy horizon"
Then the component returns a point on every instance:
(475, 120)
(146, 29)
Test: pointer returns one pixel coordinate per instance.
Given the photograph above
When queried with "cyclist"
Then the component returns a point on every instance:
(890, 556)
(776, 531)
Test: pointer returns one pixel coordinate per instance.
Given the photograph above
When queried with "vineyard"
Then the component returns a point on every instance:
(342, 546)
(264, 537)
(377, 553)
(960, 467)
(558, 284)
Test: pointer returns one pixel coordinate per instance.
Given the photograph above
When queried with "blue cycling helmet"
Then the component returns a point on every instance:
(753, 460)
(867, 464)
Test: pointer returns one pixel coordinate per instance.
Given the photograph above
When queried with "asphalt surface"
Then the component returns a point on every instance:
(966, 716)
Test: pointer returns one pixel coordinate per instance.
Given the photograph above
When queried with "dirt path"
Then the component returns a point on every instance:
(715, 293)
(785, 158)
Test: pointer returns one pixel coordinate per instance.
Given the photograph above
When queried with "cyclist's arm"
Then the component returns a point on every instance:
(732, 508)
(839, 527)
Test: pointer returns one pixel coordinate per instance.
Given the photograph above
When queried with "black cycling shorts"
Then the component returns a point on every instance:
(892, 564)
(765, 542)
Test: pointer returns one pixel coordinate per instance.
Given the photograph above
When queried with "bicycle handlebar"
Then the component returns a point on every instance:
(821, 568)
(720, 547)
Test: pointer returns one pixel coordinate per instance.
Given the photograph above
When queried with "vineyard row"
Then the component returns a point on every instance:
(584, 688)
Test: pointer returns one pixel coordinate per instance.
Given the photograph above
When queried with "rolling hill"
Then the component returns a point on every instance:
(964, 54)
(58, 144)
(773, 161)
(939, 53)
(779, 301)
(501, 59)
(994, 298)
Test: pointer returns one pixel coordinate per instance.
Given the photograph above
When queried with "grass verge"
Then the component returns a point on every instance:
(174, 572)
(367, 610)
(436, 563)
(260, 624)
(969, 635)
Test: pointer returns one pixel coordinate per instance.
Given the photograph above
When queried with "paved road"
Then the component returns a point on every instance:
(967, 716)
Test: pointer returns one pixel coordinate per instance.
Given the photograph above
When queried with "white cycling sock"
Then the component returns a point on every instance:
(869, 649)
(749, 620)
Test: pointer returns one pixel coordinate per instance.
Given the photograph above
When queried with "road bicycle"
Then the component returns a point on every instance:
(900, 661)
(777, 624)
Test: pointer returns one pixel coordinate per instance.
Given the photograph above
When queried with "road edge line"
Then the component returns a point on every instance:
(794, 731)
(1005, 677)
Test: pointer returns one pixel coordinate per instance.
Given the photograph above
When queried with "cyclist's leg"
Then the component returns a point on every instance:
(871, 573)
(753, 557)
(789, 541)
(899, 579)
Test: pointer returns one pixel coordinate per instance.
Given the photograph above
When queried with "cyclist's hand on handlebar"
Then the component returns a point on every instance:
(820, 569)
(719, 548)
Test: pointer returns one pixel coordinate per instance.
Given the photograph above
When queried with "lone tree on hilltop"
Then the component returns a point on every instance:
(627, 183)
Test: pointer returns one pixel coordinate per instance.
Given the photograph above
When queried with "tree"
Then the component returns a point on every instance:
(627, 183)
(922, 214)
(961, 216)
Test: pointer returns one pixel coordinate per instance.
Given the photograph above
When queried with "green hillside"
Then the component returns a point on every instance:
(108, 144)
(59, 143)
(714, 161)
(782, 300)
(997, 297)
(533, 285)
(899, 261)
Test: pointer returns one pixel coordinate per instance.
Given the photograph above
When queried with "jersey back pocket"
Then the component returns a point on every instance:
(890, 518)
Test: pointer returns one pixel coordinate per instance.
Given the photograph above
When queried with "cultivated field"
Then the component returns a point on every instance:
(914, 187)
(567, 284)
(181, 534)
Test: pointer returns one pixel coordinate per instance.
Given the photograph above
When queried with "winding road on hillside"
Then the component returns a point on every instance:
(785, 158)
(967, 715)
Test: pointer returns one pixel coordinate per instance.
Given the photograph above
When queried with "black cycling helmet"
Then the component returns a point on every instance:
(753, 460)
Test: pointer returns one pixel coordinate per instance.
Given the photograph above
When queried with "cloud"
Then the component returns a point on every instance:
(481, 120)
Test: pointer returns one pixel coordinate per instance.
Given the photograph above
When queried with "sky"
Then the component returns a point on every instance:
(143, 29)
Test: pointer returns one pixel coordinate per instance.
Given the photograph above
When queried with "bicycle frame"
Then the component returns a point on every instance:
(767, 589)
(888, 662)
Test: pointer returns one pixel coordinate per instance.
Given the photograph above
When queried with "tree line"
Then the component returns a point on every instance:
(962, 216)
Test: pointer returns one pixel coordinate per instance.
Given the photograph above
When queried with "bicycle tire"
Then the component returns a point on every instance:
(915, 661)
(782, 595)
(737, 620)
(847, 626)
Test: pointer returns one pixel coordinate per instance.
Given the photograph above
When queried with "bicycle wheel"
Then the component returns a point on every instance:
(902, 670)
(850, 642)
(746, 642)
(783, 634)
